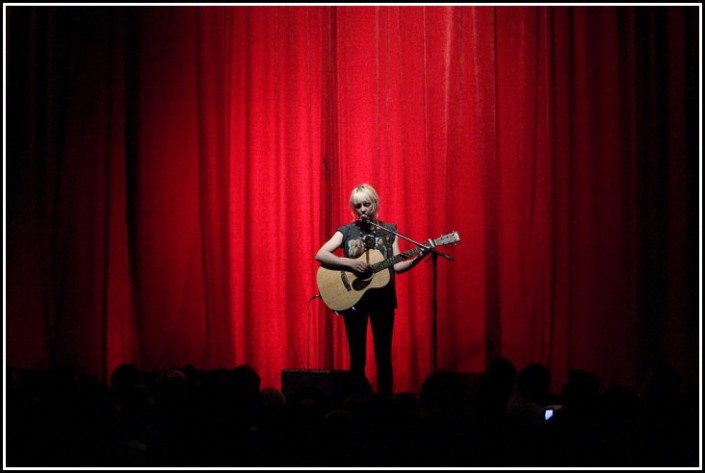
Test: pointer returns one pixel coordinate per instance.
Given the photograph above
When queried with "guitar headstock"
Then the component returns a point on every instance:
(451, 238)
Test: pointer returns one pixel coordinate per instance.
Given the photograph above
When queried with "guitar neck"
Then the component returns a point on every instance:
(395, 259)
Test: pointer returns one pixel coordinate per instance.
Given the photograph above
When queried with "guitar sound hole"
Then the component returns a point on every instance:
(360, 284)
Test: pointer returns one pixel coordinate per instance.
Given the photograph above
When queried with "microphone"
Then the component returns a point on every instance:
(364, 218)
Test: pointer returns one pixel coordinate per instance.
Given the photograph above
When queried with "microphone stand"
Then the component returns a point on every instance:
(434, 258)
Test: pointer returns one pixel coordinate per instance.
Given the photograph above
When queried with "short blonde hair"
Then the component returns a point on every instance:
(365, 191)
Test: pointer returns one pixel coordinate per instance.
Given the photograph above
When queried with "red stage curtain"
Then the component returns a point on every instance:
(171, 172)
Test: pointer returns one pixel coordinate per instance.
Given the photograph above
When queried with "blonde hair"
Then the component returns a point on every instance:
(365, 191)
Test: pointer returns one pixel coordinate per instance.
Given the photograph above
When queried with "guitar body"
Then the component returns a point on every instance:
(341, 290)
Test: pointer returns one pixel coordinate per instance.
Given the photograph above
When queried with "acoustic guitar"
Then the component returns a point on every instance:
(341, 290)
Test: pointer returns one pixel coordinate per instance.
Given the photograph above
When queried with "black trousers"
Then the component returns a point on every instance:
(381, 318)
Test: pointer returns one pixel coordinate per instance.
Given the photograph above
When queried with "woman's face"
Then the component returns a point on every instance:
(363, 205)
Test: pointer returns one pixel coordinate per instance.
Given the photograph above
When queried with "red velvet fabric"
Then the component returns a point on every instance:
(171, 172)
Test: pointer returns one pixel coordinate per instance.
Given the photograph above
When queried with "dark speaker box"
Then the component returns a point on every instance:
(321, 385)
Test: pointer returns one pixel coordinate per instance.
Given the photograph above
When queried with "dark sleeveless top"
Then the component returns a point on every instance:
(356, 240)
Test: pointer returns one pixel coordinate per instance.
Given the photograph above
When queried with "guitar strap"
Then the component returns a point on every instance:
(386, 236)
(387, 243)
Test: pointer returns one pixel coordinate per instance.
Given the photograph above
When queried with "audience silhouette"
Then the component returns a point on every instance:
(185, 417)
